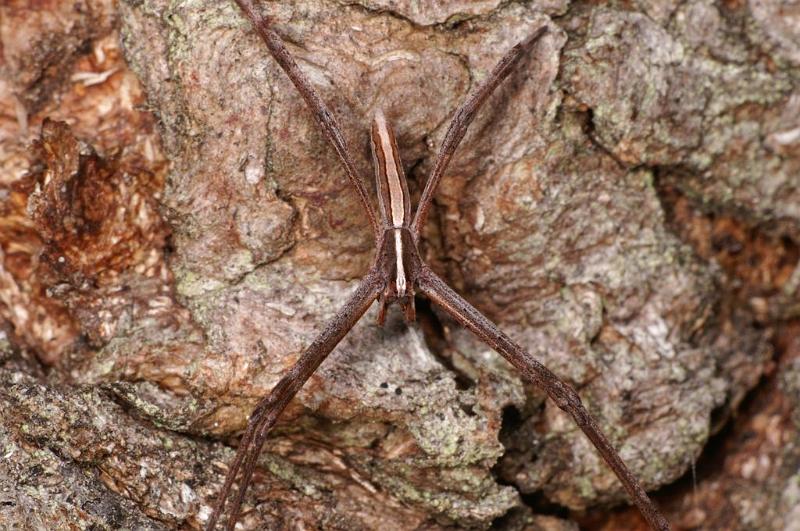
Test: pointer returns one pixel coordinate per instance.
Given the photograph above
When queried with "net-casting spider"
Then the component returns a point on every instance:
(398, 273)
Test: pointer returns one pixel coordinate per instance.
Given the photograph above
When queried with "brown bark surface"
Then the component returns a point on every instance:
(175, 229)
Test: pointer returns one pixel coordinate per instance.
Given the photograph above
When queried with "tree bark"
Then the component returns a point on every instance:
(175, 230)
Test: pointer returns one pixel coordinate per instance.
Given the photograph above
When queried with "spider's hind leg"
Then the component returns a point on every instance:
(461, 120)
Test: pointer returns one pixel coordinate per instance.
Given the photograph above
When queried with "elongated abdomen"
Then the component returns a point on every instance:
(390, 179)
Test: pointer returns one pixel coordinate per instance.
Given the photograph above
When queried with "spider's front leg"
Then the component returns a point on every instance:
(562, 394)
(270, 407)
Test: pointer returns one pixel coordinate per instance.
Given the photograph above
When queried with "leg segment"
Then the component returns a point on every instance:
(463, 117)
(267, 411)
(324, 116)
(561, 393)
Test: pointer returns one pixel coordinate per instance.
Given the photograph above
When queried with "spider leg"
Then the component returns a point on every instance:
(562, 394)
(270, 407)
(463, 117)
(321, 112)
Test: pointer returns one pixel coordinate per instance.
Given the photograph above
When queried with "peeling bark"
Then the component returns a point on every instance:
(626, 207)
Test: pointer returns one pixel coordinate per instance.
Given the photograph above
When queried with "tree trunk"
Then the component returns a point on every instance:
(176, 229)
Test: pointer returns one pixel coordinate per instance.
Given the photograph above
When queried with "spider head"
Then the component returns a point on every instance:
(406, 304)
(399, 262)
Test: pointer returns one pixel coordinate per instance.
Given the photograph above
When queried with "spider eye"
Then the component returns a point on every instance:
(401, 286)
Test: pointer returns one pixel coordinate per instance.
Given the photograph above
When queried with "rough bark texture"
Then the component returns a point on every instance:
(626, 206)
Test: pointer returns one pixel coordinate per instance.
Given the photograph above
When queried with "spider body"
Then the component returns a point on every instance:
(398, 274)
(399, 256)
(399, 262)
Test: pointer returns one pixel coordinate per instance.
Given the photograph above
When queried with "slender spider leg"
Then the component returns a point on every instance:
(461, 121)
(270, 407)
(321, 112)
(562, 394)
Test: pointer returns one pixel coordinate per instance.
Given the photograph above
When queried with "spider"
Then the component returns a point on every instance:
(398, 273)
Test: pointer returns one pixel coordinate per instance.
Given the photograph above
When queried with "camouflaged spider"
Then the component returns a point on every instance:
(398, 273)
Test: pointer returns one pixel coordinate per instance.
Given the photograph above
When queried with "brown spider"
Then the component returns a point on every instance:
(398, 273)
